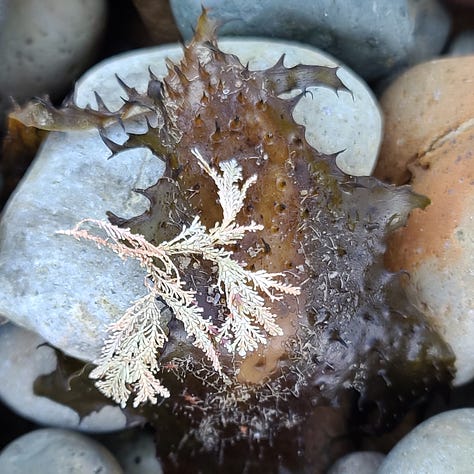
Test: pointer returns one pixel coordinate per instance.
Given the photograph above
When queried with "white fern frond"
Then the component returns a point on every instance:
(129, 362)
(132, 346)
(231, 195)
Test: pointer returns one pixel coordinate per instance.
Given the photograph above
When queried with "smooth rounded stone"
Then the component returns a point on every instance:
(420, 107)
(462, 44)
(442, 444)
(58, 287)
(437, 248)
(135, 450)
(360, 462)
(373, 38)
(69, 291)
(24, 357)
(46, 45)
(429, 141)
(3, 10)
(56, 451)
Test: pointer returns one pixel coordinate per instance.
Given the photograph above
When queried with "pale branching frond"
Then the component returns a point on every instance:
(129, 362)
(231, 195)
(129, 355)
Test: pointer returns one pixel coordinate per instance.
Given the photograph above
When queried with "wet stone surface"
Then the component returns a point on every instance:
(373, 38)
(57, 451)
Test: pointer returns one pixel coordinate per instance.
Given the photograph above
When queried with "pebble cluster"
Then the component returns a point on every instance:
(419, 131)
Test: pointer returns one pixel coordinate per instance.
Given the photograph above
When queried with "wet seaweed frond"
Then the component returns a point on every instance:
(130, 357)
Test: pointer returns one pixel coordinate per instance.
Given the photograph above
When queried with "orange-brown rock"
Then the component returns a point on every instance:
(421, 107)
(430, 142)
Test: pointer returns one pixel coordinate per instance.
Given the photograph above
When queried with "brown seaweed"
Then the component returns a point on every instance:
(352, 338)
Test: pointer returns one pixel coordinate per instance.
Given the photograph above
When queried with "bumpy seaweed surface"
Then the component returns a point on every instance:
(352, 340)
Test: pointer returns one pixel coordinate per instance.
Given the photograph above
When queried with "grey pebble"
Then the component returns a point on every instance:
(55, 451)
(24, 356)
(443, 444)
(45, 45)
(360, 462)
(371, 37)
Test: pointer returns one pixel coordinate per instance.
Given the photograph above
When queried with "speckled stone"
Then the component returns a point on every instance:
(24, 356)
(69, 291)
(46, 45)
(55, 451)
(66, 291)
(373, 38)
(420, 107)
(442, 444)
